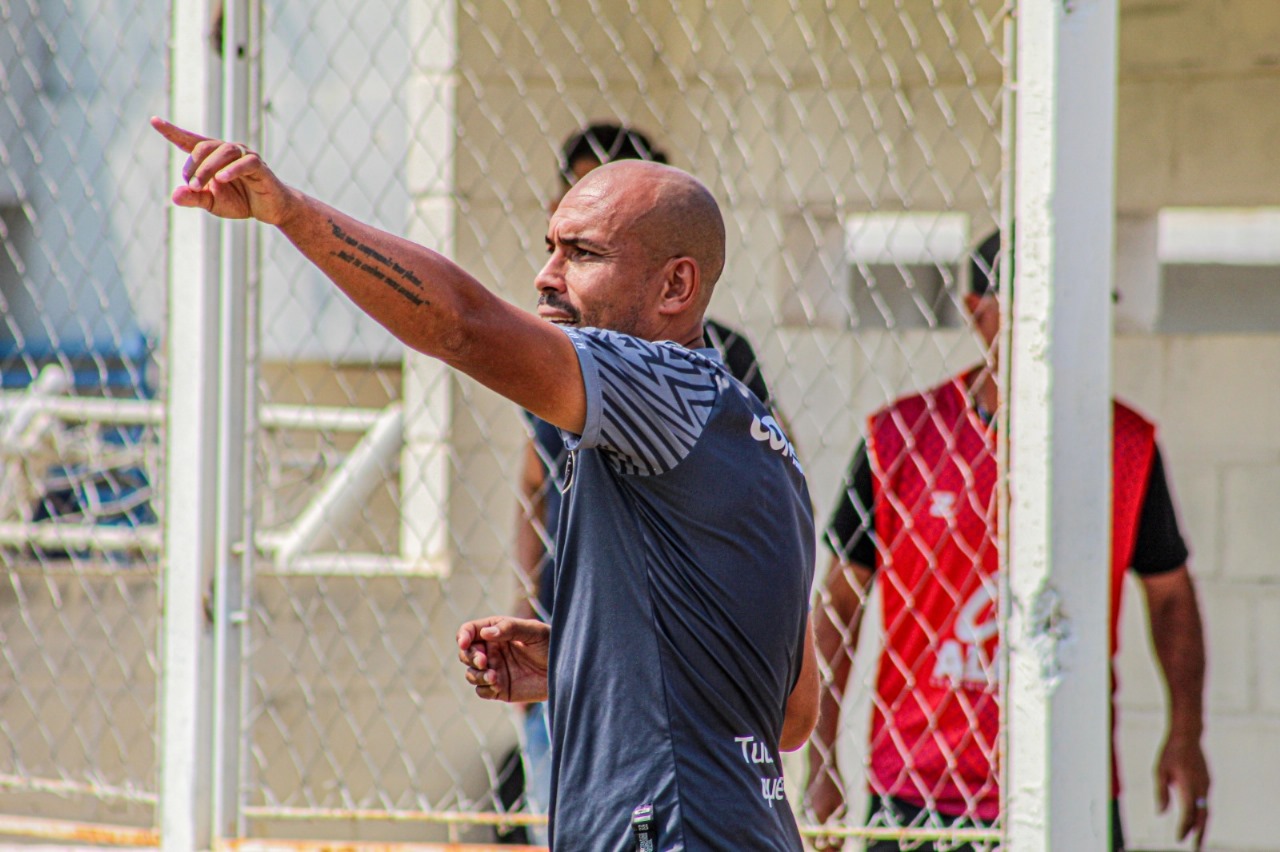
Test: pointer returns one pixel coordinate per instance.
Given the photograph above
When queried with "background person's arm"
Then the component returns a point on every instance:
(1177, 634)
(836, 628)
(802, 704)
(531, 513)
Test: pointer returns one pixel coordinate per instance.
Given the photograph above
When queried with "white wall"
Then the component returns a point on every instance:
(1199, 116)
(1218, 425)
(81, 244)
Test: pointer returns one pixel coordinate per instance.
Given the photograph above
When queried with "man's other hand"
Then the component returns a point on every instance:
(506, 658)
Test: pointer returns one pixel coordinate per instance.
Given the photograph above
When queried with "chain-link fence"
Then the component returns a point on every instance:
(81, 388)
(859, 152)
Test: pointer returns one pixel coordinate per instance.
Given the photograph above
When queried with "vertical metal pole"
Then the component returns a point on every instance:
(235, 551)
(191, 438)
(1060, 426)
(1008, 107)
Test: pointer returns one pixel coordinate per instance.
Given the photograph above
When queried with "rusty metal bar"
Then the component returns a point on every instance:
(95, 834)
(356, 846)
(431, 817)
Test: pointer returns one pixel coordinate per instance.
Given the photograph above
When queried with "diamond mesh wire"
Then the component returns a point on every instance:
(856, 149)
(82, 301)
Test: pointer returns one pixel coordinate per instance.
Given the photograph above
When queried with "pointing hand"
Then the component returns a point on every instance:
(226, 179)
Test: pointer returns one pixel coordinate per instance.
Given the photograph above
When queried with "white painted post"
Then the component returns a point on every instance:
(1058, 781)
(190, 483)
(429, 387)
(339, 502)
(231, 586)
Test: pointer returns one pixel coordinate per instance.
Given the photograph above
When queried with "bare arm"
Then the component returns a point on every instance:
(531, 551)
(426, 300)
(839, 619)
(802, 704)
(1177, 634)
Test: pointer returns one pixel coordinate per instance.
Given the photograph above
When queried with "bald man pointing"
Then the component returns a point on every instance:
(681, 660)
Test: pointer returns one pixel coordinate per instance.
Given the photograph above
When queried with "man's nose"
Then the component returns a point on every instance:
(551, 277)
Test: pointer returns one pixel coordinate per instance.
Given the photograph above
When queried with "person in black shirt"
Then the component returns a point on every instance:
(865, 543)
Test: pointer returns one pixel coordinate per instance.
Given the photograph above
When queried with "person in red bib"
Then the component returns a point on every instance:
(918, 514)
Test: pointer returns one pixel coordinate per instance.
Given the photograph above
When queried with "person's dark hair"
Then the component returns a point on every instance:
(605, 143)
(984, 265)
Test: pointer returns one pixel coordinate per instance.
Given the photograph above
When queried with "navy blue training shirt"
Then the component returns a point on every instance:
(738, 358)
(685, 559)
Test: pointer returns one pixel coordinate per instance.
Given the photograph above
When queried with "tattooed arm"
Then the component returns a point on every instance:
(423, 298)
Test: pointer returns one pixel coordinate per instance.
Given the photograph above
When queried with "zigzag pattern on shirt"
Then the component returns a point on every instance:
(657, 397)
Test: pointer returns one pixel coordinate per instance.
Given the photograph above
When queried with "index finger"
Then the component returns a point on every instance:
(1195, 816)
(1202, 822)
(466, 635)
(183, 139)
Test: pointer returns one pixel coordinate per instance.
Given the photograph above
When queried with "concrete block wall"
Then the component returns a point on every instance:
(1218, 429)
(1198, 108)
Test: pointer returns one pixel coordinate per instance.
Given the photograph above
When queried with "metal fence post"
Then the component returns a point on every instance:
(191, 432)
(232, 588)
(1060, 519)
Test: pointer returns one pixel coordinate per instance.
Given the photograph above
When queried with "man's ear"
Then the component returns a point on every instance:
(681, 285)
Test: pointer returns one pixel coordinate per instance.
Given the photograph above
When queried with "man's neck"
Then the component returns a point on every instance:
(694, 338)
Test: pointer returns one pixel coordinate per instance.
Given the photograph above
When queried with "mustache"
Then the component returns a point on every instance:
(555, 302)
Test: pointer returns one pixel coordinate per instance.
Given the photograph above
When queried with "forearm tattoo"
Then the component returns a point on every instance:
(385, 269)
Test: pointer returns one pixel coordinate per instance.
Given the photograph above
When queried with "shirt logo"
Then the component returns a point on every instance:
(963, 661)
(767, 431)
(756, 753)
(942, 504)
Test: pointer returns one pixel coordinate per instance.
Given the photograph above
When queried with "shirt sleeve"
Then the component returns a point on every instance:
(851, 531)
(647, 403)
(1159, 547)
(548, 443)
(739, 359)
